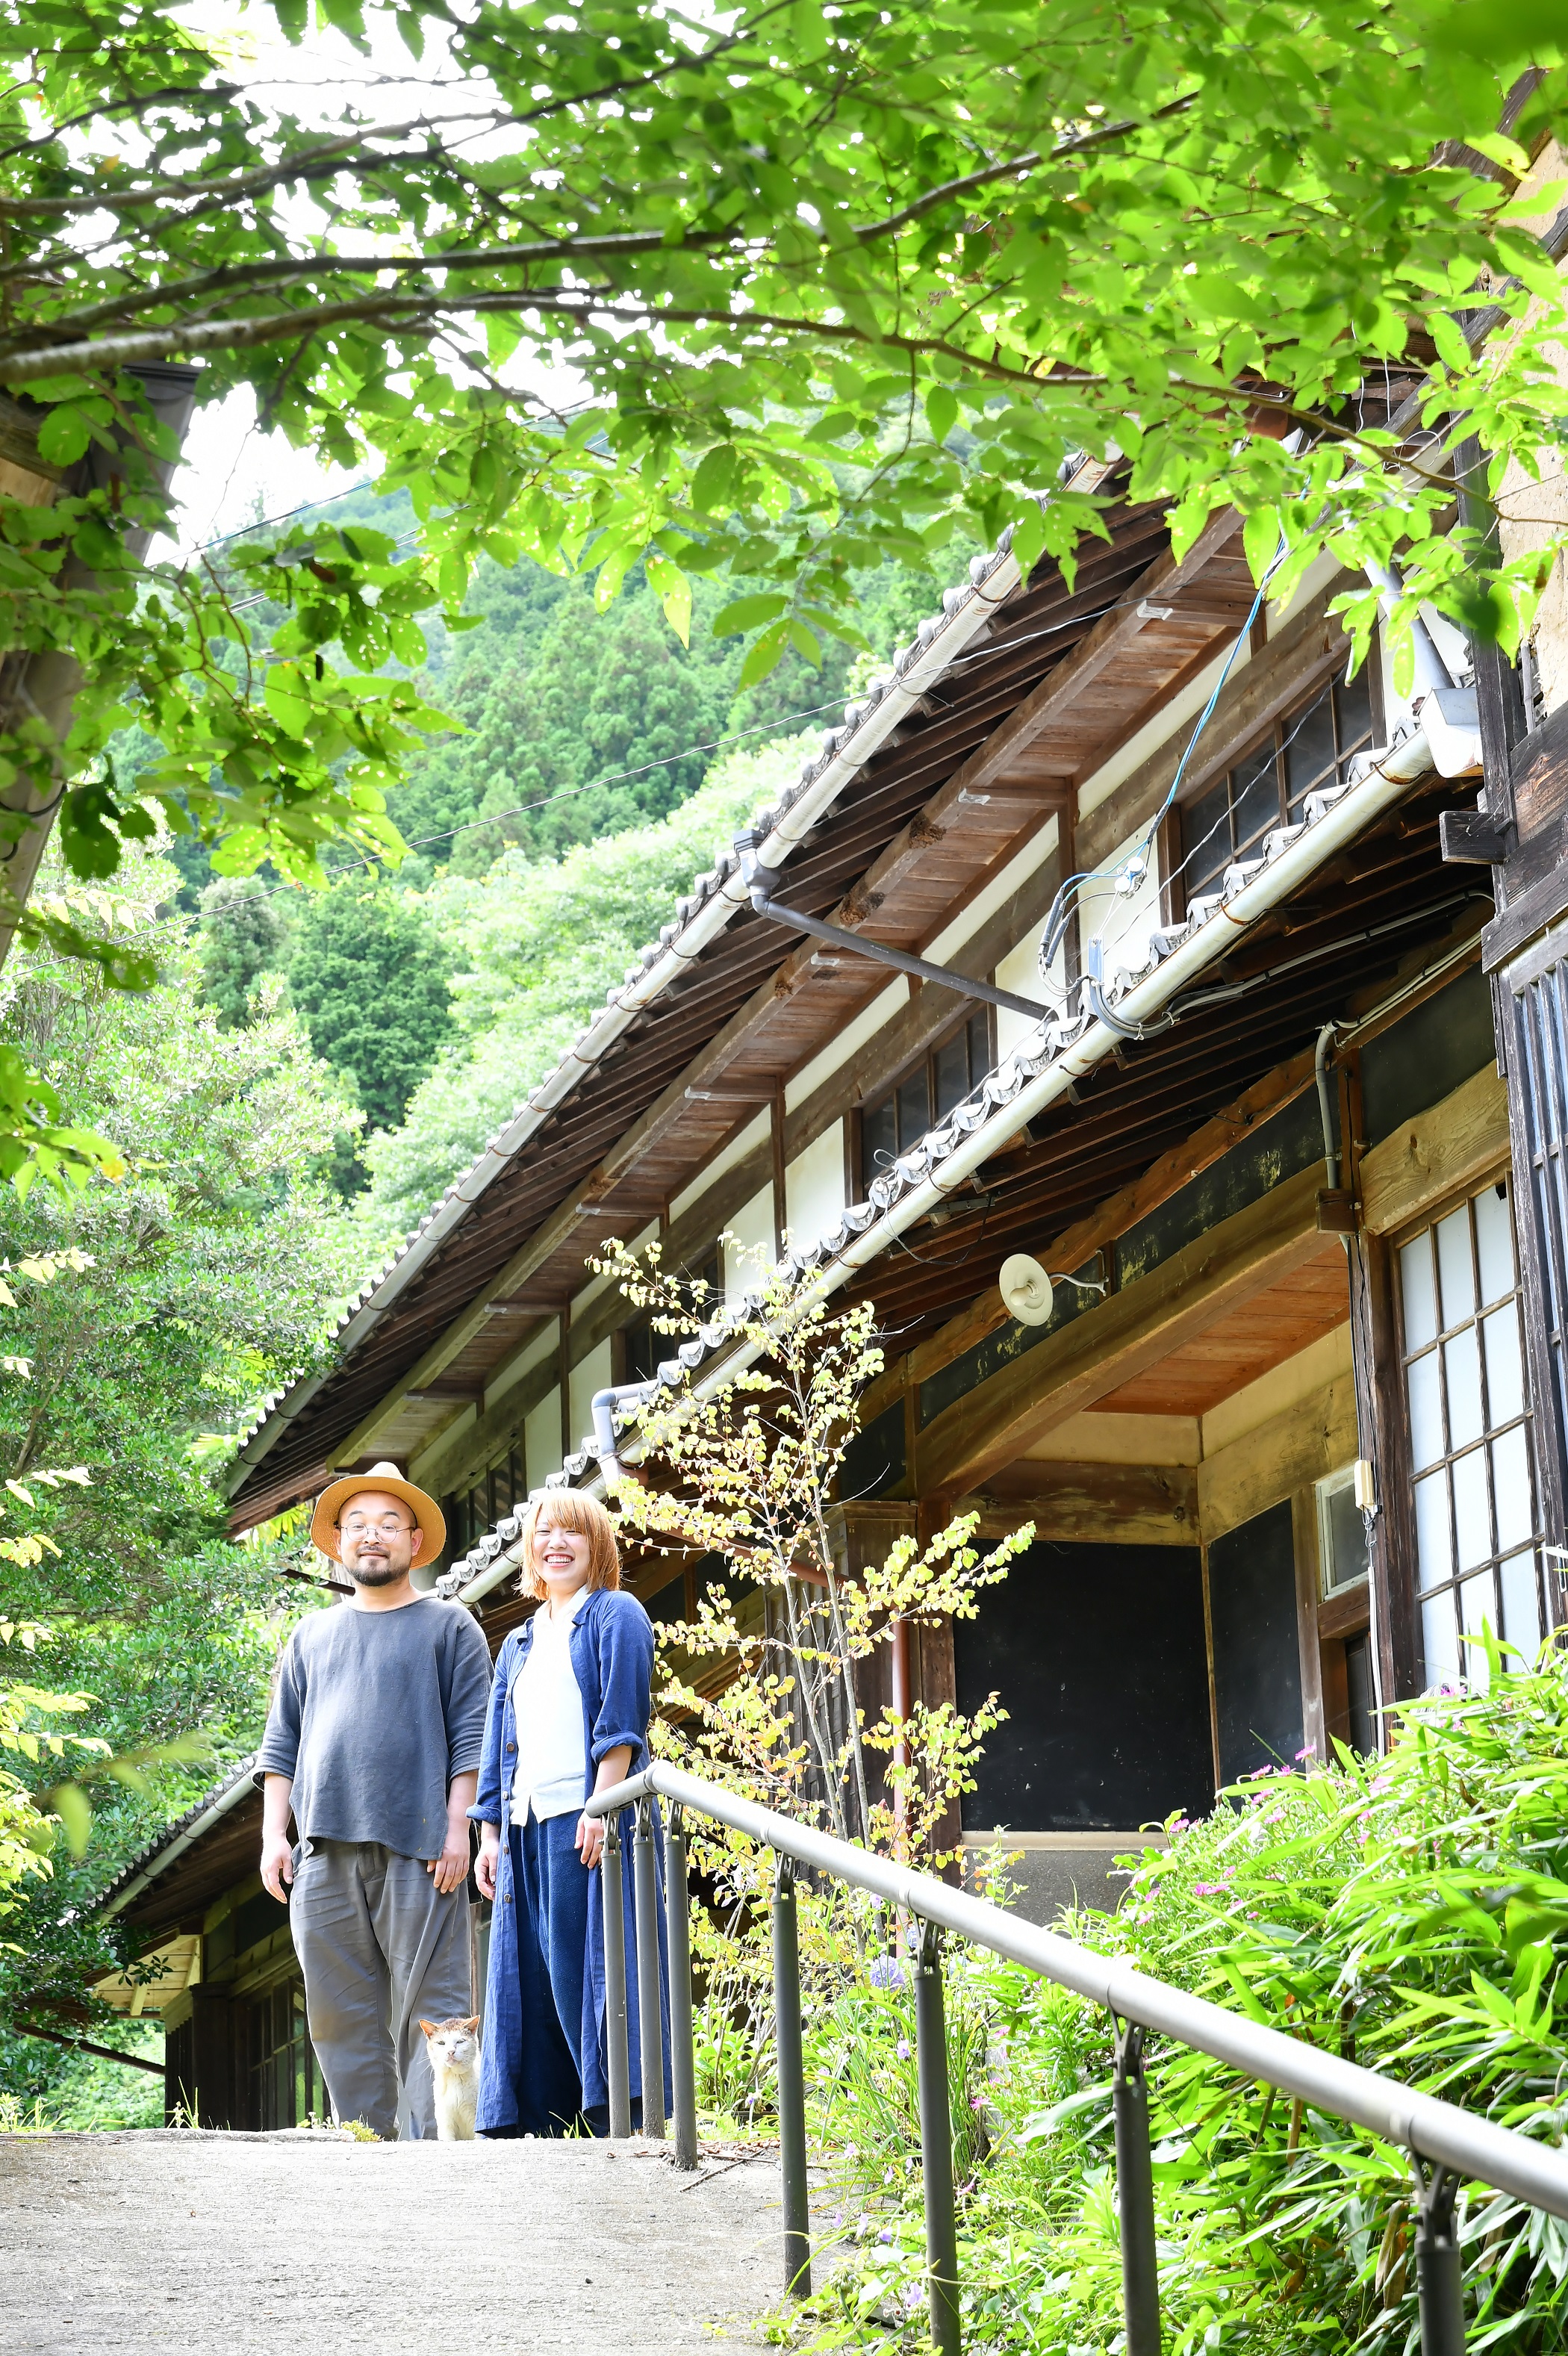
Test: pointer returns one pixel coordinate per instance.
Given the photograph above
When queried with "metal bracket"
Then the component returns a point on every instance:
(784, 1876)
(930, 1946)
(760, 880)
(1129, 2048)
(1439, 2267)
(1436, 2191)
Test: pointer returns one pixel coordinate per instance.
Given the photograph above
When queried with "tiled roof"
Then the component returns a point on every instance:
(713, 898)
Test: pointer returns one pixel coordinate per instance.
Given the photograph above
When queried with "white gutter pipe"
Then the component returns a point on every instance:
(1377, 791)
(161, 1860)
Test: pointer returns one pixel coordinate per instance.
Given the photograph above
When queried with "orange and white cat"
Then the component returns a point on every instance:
(453, 2048)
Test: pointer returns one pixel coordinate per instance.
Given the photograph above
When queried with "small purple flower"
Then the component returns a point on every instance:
(886, 1972)
(886, 2234)
(903, 2049)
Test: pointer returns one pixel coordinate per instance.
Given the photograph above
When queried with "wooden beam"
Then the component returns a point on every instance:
(1308, 646)
(1449, 1147)
(1127, 1505)
(1291, 1451)
(446, 1463)
(1112, 634)
(1110, 1220)
(1122, 1336)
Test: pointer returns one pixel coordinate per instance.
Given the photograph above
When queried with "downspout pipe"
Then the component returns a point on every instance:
(759, 883)
(602, 1409)
(1326, 1038)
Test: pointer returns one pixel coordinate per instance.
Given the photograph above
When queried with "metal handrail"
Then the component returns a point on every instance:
(1445, 2142)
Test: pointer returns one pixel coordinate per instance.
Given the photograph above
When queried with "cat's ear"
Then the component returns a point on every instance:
(429, 2026)
(472, 2026)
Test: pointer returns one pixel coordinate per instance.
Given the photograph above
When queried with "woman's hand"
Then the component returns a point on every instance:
(613, 1768)
(485, 1863)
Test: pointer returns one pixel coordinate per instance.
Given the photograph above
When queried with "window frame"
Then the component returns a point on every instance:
(976, 1014)
(1179, 854)
(1500, 1172)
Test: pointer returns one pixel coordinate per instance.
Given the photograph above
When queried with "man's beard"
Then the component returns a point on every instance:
(380, 1574)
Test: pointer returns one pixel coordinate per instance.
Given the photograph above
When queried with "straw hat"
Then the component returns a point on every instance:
(386, 1481)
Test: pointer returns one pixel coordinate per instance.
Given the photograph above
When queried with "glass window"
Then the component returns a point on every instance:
(945, 1076)
(1312, 748)
(1341, 1533)
(1477, 1530)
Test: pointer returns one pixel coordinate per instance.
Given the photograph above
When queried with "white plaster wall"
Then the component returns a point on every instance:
(594, 1372)
(1020, 972)
(539, 1345)
(744, 1142)
(814, 1188)
(541, 1439)
(749, 1247)
(866, 1025)
(1124, 921)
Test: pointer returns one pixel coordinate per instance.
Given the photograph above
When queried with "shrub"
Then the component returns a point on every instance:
(1410, 1912)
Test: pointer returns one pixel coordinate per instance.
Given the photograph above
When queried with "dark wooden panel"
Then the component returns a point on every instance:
(1257, 1653)
(1098, 1652)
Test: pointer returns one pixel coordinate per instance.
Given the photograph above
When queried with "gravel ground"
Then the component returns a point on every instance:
(256, 2246)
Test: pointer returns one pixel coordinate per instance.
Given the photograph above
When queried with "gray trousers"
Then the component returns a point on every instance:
(380, 1949)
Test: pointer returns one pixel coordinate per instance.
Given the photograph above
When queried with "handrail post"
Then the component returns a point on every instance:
(683, 2056)
(618, 2068)
(650, 2026)
(1135, 2191)
(792, 2085)
(937, 2144)
(1439, 2270)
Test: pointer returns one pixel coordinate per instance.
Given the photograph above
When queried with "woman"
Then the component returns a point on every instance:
(569, 1717)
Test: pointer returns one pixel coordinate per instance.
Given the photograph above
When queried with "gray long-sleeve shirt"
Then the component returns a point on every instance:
(373, 1715)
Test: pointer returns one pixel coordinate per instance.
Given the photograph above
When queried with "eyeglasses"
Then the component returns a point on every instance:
(356, 1526)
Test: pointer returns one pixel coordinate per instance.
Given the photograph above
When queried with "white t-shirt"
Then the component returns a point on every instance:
(547, 1702)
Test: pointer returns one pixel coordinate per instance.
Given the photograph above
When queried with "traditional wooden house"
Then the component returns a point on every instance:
(1281, 1435)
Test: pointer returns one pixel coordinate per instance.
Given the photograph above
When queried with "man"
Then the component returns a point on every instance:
(373, 1742)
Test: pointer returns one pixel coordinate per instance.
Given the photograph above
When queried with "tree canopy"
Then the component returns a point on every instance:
(773, 295)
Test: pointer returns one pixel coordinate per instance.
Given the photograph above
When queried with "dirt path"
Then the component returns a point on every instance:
(259, 2245)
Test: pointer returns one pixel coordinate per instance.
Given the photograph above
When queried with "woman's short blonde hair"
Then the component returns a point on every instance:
(568, 1509)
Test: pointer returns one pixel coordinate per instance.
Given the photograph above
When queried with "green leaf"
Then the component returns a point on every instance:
(674, 592)
(764, 654)
(283, 697)
(941, 411)
(1260, 539)
(745, 612)
(65, 435)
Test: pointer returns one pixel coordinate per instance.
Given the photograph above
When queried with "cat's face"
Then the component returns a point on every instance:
(454, 2044)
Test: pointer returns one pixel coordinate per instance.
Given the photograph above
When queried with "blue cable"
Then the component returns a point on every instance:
(1061, 907)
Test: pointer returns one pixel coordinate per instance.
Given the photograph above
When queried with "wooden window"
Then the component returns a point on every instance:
(1310, 748)
(924, 1095)
(1477, 1520)
(285, 2078)
(1343, 1553)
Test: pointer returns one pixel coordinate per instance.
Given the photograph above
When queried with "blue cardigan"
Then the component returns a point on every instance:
(612, 1647)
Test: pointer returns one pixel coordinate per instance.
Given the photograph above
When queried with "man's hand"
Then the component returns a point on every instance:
(487, 1860)
(450, 1868)
(277, 1864)
(277, 1849)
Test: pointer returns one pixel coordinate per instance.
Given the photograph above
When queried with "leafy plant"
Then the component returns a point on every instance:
(1409, 1911)
(763, 1679)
